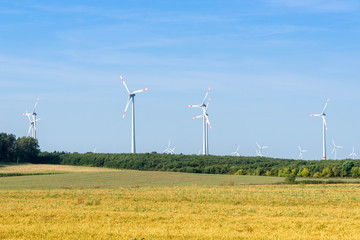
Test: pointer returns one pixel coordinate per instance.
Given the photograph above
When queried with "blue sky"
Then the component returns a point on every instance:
(270, 63)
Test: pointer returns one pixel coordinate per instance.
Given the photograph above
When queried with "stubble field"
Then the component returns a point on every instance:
(181, 212)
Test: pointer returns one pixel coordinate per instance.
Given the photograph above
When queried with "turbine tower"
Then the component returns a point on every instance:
(169, 150)
(301, 151)
(206, 121)
(353, 154)
(131, 99)
(236, 153)
(323, 115)
(335, 148)
(33, 120)
(259, 152)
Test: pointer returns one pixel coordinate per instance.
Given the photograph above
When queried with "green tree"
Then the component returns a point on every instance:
(305, 172)
(7, 147)
(27, 149)
(326, 172)
(355, 172)
(347, 166)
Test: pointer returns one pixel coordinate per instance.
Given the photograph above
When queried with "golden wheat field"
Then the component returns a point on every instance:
(192, 212)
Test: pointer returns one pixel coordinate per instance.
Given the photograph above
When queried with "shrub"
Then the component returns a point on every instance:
(240, 172)
(290, 178)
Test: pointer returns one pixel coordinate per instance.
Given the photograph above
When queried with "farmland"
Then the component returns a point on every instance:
(189, 212)
(99, 203)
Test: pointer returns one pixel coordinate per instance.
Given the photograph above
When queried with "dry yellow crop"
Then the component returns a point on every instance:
(38, 168)
(226, 212)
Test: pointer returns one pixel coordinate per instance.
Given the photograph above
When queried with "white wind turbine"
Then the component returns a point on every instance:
(131, 99)
(259, 152)
(353, 154)
(335, 148)
(206, 121)
(169, 149)
(323, 115)
(301, 151)
(236, 153)
(33, 120)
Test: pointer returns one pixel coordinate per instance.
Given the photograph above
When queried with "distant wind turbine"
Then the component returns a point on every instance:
(169, 150)
(206, 121)
(259, 152)
(236, 153)
(131, 99)
(353, 154)
(323, 115)
(335, 148)
(301, 151)
(33, 120)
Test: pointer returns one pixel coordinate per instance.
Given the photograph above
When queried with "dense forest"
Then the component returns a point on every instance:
(26, 149)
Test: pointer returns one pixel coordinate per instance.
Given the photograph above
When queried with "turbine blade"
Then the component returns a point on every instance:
(124, 84)
(258, 145)
(325, 105)
(207, 93)
(196, 106)
(127, 105)
(324, 121)
(207, 121)
(28, 134)
(333, 151)
(37, 100)
(197, 117)
(333, 143)
(207, 105)
(141, 90)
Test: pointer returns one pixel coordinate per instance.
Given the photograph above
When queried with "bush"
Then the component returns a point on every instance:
(290, 178)
(240, 172)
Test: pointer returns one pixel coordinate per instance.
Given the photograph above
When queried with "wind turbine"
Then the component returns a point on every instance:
(301, 151)
(33, 120)
(131, 99)
(259, 152)
(323, 115)
(236, 153)
(169, 150)
(335, 148)
(353, 154)
(206, 121)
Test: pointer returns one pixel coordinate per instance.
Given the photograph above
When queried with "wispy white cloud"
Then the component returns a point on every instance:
(319, 5)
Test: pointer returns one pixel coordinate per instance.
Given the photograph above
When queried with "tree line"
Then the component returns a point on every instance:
(23, 149)
(210, 164)
(26, 149)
